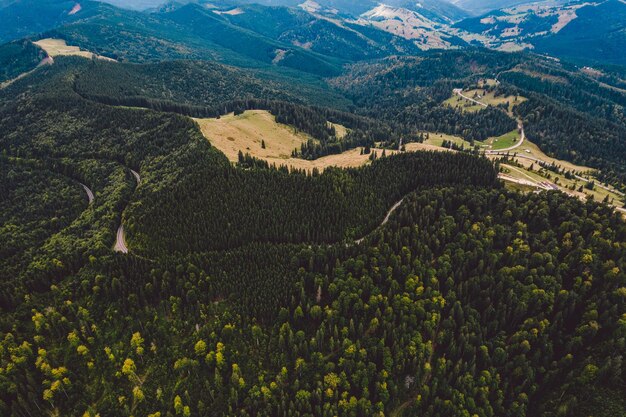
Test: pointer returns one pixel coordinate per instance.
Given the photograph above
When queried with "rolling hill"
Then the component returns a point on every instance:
(250, 210)
(582, 31)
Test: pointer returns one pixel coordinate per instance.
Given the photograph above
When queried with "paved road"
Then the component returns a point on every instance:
(137, 177)
(89, 193)
(520, 125)
(120, 241)
(520, 142)
(530, 158)
(459, 92)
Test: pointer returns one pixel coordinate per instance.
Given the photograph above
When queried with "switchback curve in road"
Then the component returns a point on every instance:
(120, 241)
(90, 195)
(520, 125)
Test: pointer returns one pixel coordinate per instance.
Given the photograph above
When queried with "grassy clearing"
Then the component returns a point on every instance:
(523, 188)
(340, 130)
(487, 97)
(437, 139)
(57, 47)
(503, 142)
(536, 174)
(248, 132)
(489, 82)
(412, 147)
(462, 104)
(530, 149)
(569, 186)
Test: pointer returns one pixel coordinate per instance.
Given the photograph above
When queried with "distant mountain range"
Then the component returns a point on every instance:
(329, 31)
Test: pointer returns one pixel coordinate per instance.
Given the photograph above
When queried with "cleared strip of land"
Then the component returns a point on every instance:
(58, 47)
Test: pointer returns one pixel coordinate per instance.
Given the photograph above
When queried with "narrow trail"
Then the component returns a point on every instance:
(120, 241)
(384, 222)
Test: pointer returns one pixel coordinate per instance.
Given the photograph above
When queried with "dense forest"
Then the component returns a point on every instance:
(17, 58)
(414, 285)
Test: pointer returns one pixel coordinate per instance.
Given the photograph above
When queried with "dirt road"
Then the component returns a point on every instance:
(385, 220)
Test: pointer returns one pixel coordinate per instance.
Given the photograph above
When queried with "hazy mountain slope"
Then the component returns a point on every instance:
(437, 10)
(327, 36)
(248, 35)
(189, 32)
(410, 24)
(583, 31)
(598, 34)
(26, 17)
(483, 6)
(207, 25)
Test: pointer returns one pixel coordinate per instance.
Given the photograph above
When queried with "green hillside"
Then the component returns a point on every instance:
(270, 213)
(17, 58)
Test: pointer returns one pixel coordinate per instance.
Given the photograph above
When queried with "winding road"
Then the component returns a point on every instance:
(90, 195)
(459, 92)
(120, 241)
(520, 125)
(385, 220)
(520, 142)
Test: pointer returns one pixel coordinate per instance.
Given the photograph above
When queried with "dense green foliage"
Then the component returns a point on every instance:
(284, 207)
(29, 17)
(323, 36)
(409, 91)
(415, 285)
(17, 58)
(35, 205)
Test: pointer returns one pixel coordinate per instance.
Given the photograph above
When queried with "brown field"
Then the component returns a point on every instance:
(57, 47)
(437, 139)
(245, 132)
(530, 149)
(340, 130)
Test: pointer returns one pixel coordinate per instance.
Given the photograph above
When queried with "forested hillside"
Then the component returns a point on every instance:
(144, 274)
(571, 114)
(17, 58)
